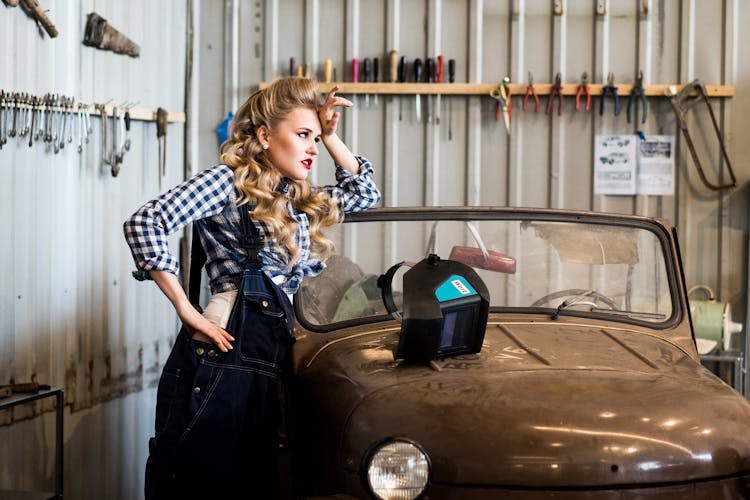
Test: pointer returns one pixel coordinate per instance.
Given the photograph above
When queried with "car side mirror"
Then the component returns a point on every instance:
(491, 261)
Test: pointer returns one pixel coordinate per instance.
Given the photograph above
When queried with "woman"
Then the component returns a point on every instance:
(217, 408)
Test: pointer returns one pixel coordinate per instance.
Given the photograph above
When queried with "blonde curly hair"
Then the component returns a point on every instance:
(256, 179)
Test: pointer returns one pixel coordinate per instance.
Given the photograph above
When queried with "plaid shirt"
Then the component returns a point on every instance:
(209, 198)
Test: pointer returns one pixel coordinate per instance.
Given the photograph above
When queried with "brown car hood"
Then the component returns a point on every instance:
(571, 405)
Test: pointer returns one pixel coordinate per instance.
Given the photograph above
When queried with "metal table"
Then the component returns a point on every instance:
(57, 393)
(737, 359)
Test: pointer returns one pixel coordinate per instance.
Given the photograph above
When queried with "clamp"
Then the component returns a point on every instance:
(556, 92)
(583, 88)
(638, 91)
(610, 89)
(531, 90)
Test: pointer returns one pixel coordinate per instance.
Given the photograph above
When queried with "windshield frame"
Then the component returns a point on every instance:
(654, 226)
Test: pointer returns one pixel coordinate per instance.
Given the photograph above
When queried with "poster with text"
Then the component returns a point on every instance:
(656, 165)
(615, 164)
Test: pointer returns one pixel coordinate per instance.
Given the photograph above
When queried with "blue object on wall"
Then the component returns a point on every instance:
(223, 128)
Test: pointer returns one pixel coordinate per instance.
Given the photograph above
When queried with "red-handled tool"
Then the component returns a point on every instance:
(501, 94)
(556, 92)
(583, 88)
(531, 91)
(439, 74)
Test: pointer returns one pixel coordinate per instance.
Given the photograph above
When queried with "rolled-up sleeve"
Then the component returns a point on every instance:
(355, 192)
(146, 231)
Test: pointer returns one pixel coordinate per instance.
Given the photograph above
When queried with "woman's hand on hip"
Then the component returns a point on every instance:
(202, 329)
(194, 322)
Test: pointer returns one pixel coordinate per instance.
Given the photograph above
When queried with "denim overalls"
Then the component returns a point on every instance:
(218, 414)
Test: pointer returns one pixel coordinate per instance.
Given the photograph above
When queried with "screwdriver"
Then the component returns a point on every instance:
(368, 78)
(418, 79)
(393, 68)
(401, 78)
(375, 65)
(430, 79)
(327, 71)
(439, 80)
(451, 79)
(355, 75)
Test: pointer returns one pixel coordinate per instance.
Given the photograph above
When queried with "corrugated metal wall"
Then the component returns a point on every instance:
(548, 161)
(71, 315)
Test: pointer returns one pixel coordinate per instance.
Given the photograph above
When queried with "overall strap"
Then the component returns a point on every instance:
(251, 240)
(197, 259)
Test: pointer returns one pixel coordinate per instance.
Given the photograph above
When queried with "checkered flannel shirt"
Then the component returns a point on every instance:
(209, 198)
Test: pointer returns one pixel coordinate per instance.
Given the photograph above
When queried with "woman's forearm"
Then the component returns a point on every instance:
(171, 288)
(193, 320)
(340, 153)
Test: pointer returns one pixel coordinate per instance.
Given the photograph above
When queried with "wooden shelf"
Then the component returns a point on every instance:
(568, 89)
(142, 114)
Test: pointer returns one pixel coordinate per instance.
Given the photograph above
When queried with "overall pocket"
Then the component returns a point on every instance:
(255, 321)
(166, 397)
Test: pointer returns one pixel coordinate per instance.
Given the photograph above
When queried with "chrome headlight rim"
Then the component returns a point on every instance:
(377, 445)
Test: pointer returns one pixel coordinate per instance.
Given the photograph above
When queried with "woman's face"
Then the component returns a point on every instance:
(292, 143)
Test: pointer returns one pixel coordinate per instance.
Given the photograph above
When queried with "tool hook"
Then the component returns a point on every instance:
(556, 92)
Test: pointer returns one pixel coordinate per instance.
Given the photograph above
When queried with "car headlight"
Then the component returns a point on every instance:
(397, 469)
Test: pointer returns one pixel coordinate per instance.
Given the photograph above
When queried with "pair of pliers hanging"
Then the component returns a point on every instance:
(638, 91)
(531, 91)
(556, 92)
(610, 89)
(501, 94)
(583, 88)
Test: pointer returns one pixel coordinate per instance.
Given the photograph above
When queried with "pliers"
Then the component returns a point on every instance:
(638, 90)
(531, 90)
(556, 92)
(583, 88)
(610, 89)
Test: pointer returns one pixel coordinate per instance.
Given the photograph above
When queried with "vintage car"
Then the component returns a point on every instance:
(585, 381)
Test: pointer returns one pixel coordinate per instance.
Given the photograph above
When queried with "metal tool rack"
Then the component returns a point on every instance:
(516, 89)
(58, 394)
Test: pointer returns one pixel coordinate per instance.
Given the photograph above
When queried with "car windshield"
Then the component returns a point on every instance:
(612, 269)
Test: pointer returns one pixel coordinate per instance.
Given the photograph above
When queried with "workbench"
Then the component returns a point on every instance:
(20, 399)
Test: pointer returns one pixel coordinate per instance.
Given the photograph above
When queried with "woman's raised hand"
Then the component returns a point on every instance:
(329, 118)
